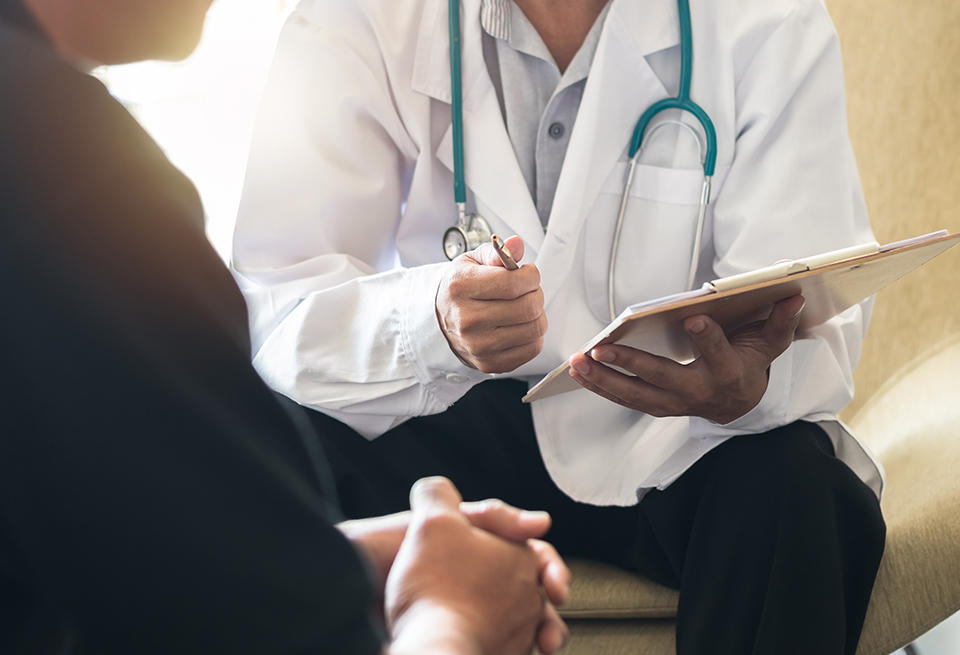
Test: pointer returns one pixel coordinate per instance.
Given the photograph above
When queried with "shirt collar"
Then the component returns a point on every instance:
(495, 18)
(499, 20)
(579, 67)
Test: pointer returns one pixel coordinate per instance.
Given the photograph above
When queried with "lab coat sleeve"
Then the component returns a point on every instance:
(336, 324)
(793, 190)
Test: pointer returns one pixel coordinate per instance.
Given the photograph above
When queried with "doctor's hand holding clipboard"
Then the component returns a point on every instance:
(492, 317)
(725, 382)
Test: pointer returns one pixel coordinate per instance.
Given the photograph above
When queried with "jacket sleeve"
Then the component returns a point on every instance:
(793, 190)
(154, 496)
(337, 325)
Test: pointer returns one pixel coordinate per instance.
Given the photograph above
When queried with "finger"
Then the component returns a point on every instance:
(510, 336)
(658, 371)
(553, 632)
(481, 282)
(555, 577)
(622, 389)
(486, 338)
(712, 344)
(506, 521)
(779, 330)
(504, 313)
(495, 347)
(511, 359)
(434, 495)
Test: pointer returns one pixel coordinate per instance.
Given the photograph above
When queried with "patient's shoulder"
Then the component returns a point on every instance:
(67, 147)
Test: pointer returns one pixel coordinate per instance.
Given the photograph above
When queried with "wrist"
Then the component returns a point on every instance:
(427, 628)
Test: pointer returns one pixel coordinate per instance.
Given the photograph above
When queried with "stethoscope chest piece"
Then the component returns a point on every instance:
(469, 232)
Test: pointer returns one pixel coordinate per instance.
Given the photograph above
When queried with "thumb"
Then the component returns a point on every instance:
(779, 329)
(433, 496)
(506, 521)
(515, 246)
(486, 255)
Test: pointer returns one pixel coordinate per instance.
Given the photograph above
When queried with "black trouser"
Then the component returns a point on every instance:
(772, 541)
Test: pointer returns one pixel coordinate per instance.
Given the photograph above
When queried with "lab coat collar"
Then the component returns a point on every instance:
(621, 85)
(491, 169)
(648, 26)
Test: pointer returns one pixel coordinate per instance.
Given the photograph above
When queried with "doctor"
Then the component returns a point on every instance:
(732, 478)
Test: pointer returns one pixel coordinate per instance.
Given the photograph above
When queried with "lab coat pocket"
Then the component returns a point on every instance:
(656, 240)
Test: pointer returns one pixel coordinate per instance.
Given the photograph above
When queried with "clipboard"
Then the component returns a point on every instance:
(830, 283)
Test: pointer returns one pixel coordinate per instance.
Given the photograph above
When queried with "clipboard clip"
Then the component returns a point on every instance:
(788, 267)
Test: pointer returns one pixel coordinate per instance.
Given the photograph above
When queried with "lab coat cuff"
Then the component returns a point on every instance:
(434, 363)
(769, 412)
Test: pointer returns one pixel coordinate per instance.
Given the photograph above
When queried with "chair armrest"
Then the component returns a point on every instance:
(913, 425)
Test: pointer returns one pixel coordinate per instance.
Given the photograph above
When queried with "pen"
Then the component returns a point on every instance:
(508, 262)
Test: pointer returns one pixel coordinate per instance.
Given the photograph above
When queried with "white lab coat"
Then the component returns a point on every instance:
(350, 188)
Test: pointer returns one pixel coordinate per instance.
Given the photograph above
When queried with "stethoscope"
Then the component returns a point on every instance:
(471, 229)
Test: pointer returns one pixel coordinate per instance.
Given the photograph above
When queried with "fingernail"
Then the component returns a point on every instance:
(581, 366)
(603, 355)
(697, 326)
(530, 515)
(804, 304)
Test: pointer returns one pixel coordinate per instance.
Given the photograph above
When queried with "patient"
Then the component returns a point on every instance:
(155, 497)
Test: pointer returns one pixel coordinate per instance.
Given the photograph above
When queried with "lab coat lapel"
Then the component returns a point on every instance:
(491, 169)
(621, 85)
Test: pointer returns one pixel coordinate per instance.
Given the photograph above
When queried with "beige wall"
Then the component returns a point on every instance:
(902, 63)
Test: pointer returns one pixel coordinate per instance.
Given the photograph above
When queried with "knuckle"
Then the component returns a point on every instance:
(538, 293)
(520, 356)
(439, 523)
(512, 287)
(465, 328)
(658, 373)
(491, 362)
(537, 347)
(542, 325)
(491, 505)
(701, 393)
(534, 274)
(634, 397)
(458, 284)
(490, 345)
(529, 309)
(533, 331)
(730, 377)
(714, 343)
(469, 322)
(730, 380)
(527, 282)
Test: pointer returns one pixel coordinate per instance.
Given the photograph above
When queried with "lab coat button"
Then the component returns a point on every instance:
(555, 130)
(456, 378)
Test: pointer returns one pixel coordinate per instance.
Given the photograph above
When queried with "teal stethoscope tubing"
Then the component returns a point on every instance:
(681, 102)
(684, 103)
(456, 101)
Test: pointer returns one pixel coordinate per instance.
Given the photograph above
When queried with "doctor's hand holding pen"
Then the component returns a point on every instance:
(724, 383)
(492, 316)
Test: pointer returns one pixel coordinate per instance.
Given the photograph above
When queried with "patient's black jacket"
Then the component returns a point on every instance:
(155, 496)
